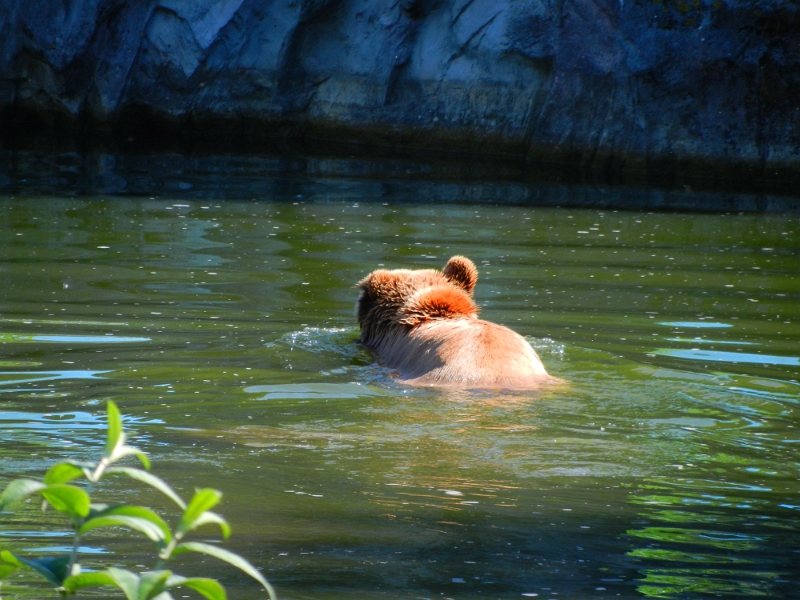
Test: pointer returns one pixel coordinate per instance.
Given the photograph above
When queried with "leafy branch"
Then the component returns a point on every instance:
(64, 571)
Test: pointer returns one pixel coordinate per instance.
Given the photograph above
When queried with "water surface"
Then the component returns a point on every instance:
(224, 329)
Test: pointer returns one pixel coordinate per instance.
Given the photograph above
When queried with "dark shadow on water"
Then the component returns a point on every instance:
(380, 177)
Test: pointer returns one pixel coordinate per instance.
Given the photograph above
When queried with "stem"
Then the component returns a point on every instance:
(73, 557)
(98, 472)
(165, 554)
(76, 542)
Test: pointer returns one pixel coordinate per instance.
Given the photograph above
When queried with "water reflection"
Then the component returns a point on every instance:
(63, 428)
(697, 325)
(701, 543)
(17, 377)
(49, 550)
(704, 341)
(724, 507)
(314, 391)
(733, 357)
(58, 422)
(70, 339)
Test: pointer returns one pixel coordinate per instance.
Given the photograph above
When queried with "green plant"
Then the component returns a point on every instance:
(64, 571)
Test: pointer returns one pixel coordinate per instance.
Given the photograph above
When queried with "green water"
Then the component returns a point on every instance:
(224, 329)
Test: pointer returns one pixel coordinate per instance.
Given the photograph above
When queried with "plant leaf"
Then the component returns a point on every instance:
(6, 570)
(62, 473)
(150, 480)
(147, 586)
(68, 499)
(8, 563)
(230, 558)
(18, 489)
(153, 583)
(52, 568)
(143, 459)
(124, 450)
(212, 517)
(125, 580)
(144, 526)
(209, 588)
(9, 558)
(76, 582)
(114, 437)
(86, 467)
(163, 532)
(203, 500)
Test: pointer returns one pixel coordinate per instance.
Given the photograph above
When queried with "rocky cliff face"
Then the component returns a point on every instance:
(710, 87)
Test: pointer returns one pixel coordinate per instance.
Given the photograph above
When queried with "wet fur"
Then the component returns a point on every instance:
(425, 325)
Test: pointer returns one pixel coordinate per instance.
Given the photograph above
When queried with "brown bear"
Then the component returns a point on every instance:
(425, 325)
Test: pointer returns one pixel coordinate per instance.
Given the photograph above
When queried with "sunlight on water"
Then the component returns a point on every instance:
(17, 377)
(698, 325)
(69, 339)
(702, 341)
(313, 391)
(666, 466)
(734, 357)
(56, 422)
(65, 549)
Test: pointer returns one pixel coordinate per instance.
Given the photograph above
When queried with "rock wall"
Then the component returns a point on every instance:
(703, 87)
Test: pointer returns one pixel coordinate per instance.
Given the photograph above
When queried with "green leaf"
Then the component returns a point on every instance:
(211, 517)
(6, 570)
(143, 459)
(152, 583)
(75, 582)
(62, 473)
(115, 436)
(10, 558)
(52, 568)
(125, 580)
(147, 586)
(19, 489)
(142, 525)
(230, 558)
(124, 450)
(203, 500)
(8, 563)
(209, 588)
(87, 468)
(150, 480)
(116, 449)
(67, 499)
(147, 521)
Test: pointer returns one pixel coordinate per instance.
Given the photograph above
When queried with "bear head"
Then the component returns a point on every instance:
(403, 298)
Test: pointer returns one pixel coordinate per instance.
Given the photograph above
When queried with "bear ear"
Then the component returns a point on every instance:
(461, 271)
(436, 302)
